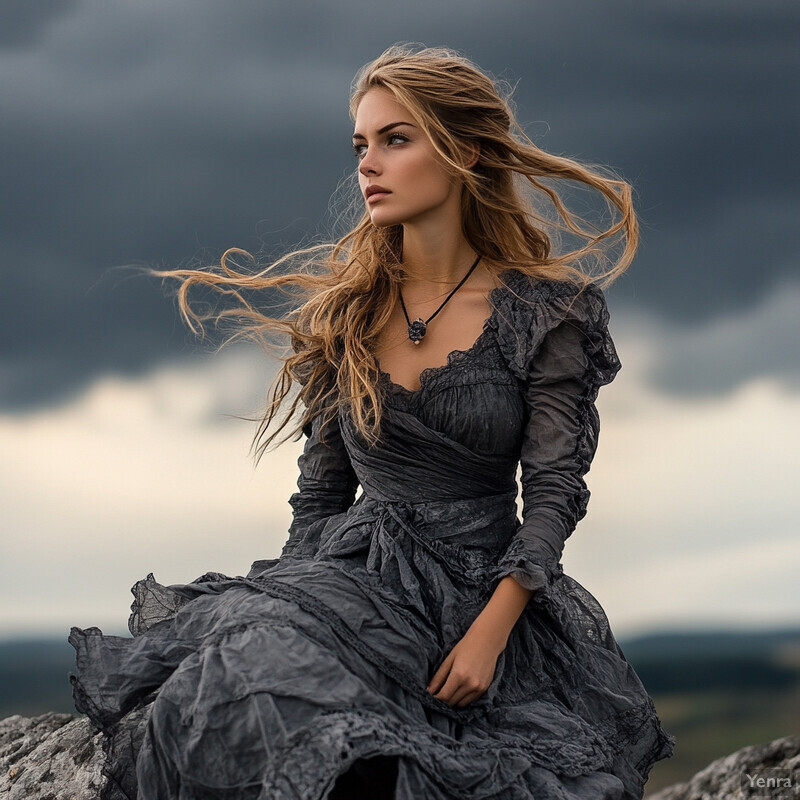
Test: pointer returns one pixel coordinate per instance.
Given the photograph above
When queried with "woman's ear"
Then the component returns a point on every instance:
(473, 152)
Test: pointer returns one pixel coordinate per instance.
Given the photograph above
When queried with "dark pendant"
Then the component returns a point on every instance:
(416, 330)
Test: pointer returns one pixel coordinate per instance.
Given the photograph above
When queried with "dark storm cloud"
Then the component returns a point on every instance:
(712, 356)
(160, 133)
(23, 23)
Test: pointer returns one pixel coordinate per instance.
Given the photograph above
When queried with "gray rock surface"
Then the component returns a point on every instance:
(729, 777)
(49, 757)
(59, 757)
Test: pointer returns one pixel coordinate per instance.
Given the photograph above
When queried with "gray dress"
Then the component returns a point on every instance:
(273, 684)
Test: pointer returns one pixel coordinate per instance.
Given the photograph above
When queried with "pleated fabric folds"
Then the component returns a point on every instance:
(274, 683)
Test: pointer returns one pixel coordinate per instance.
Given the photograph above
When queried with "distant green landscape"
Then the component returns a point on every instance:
(715, 691)
(718, 691)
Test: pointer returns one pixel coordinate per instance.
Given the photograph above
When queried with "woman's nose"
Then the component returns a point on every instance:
(369, 163)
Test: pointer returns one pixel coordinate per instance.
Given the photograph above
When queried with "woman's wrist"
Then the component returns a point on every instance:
(495, 623)
(493, 636)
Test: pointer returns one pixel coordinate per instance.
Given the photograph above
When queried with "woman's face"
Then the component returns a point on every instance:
(396, 155)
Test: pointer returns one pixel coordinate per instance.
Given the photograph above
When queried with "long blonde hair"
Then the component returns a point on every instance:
(343, 292)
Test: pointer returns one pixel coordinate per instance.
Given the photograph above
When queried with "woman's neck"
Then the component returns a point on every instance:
(439, 258)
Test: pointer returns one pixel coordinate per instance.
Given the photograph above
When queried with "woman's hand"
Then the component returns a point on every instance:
(469, 668)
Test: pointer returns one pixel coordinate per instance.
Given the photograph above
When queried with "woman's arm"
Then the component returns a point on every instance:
(560, 439)
(494, 624)
(559, 442)
(326, 485)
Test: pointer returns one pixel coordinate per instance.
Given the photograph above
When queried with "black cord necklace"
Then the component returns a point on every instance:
(417, 328)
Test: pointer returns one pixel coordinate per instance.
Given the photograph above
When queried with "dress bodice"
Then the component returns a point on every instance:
(522, 394)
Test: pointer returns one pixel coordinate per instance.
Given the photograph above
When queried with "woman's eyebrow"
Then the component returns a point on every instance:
(384, 129)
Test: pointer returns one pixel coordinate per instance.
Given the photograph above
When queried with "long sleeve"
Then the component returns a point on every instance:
(326, 486)
(576, 356)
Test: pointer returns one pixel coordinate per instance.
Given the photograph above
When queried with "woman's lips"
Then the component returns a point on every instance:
(375, 196)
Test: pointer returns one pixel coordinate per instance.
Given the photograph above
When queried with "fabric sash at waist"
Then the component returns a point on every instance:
(488, 521)
(464, 537)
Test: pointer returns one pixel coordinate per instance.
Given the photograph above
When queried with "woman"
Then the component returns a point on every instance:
(419, 641)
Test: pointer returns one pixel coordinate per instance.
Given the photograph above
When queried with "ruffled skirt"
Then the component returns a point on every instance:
(308, 676)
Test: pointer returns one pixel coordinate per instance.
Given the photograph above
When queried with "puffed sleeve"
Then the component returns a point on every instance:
(563, 373)
(326, 486)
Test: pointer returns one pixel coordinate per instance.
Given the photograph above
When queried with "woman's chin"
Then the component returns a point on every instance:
(385, 220)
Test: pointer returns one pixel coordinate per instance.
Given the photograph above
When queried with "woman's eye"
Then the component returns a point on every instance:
(357, 148)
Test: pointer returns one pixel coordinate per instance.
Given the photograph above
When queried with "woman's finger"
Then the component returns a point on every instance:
(446, 693)
(471, 697)
(465, 691)
(440, 676)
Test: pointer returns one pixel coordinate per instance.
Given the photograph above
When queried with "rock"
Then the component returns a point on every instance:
(50, 757)
(726, 778)
(60, 757)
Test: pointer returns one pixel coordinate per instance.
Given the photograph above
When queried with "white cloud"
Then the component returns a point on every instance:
(693, 517)
(694, 513)
(132, 477)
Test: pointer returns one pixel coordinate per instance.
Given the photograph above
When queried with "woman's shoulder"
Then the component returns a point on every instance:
(529, 307)
(549, 299)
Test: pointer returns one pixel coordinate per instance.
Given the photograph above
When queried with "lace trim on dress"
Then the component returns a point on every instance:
(530, 570)
(456, 359)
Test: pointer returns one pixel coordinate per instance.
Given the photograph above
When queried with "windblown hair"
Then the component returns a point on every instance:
(512, 214)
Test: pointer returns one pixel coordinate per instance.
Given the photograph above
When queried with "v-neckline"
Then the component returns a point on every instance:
(427, 373)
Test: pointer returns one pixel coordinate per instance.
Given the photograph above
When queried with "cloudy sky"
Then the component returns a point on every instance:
(161, 134)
